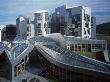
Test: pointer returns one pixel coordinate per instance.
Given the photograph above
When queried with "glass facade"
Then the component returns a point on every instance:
(86, 17)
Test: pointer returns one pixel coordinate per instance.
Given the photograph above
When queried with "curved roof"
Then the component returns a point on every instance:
(41, 39)
(68, 58)
(18, 49)
(19, 38)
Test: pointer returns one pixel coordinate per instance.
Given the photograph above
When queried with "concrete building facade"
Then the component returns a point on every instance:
(33, 25)
(25, 26)
(41, 22)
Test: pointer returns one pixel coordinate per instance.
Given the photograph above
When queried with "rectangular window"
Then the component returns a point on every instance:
(83, 45)
(28, 28)
(38, 16)
(76, 18)
(45, 25)
(88, 30)
(28, 21)
(39, 25)
(84, 31)
(87, 25)
(86, 17)
(92, 20)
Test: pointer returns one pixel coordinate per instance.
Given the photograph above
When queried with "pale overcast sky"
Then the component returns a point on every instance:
(10, 9)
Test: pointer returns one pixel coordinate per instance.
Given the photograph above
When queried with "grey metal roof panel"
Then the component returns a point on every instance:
(41, 39)
(18, 49)
(19, 38)
(18, 52)
(65, 56)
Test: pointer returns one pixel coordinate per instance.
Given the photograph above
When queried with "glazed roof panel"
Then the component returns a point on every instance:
(66, 56)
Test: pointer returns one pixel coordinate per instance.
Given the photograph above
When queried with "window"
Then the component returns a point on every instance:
(84, 31)
(39, 25)
(87, 25)
(86, 17)
(38, 16)
(45, 25)
(27, 34)
(76, 18)
(88, 30)
(27, 28)
(91, 25)
(76, 33)
(79, 24)
(92, 19)
(27, 21)
(39, 31)
(83, 45)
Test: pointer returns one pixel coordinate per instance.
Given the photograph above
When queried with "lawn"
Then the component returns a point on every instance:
(88, 54)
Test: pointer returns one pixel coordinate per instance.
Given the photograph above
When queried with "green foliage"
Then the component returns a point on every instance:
(88, 54)
(103, 28)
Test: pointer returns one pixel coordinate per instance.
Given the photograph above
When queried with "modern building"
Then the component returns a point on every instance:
(25, 26)
(72, 21)
(21, 24)
(7, 33)
(33, 24)
(30, 26)
(56, 53)
(2, 32)
(41, 22)
(58, 62)
(10, 32)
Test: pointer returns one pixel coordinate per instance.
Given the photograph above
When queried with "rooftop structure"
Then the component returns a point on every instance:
(53, 53)
(41, 11)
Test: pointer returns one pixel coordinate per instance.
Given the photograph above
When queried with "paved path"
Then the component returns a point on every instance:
(25, 75)
(29, 76)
